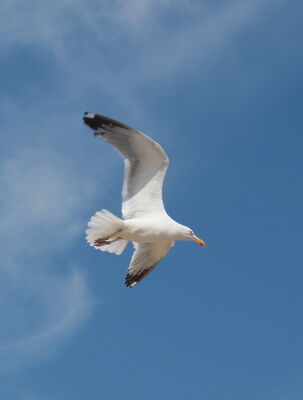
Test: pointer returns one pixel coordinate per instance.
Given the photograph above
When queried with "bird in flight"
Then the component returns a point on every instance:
(145, 221)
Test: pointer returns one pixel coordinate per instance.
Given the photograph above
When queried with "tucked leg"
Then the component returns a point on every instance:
(101, 242)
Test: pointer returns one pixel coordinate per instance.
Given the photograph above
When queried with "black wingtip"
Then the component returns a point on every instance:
(91, 120)
(130, 281)
(132, 278)
(97, 121)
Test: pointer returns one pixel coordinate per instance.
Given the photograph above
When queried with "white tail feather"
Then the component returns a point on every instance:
(106, 225)
(116, 247)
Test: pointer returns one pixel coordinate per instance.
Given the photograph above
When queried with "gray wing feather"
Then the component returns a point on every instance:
(145, 258)
(145, 165)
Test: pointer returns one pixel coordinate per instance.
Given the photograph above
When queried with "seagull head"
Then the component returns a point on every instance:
(188, 234)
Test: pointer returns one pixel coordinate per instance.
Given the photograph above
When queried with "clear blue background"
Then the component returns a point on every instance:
(219, 85)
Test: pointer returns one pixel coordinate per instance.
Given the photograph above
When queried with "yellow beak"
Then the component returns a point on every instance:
(199, 241)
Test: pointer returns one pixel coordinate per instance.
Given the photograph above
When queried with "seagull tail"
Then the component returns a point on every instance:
(104, 227)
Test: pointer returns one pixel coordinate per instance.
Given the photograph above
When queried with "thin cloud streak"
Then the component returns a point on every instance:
(41, 202)
(200, 41)
(63, 315)
(130, 33)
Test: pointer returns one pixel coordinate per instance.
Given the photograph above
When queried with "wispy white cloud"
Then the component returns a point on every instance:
(39, 191)
(40, 208)
(61, 305)
(138, 40)
(51, 23)
(196, 44)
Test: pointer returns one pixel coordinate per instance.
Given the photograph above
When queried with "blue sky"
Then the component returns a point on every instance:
(219, 85)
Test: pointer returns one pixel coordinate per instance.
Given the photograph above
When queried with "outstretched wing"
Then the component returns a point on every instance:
(145, 258)
(145, 164)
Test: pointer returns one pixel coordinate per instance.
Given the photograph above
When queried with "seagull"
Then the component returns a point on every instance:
(144, 219)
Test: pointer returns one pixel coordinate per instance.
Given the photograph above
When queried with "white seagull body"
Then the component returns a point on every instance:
(145, 221)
